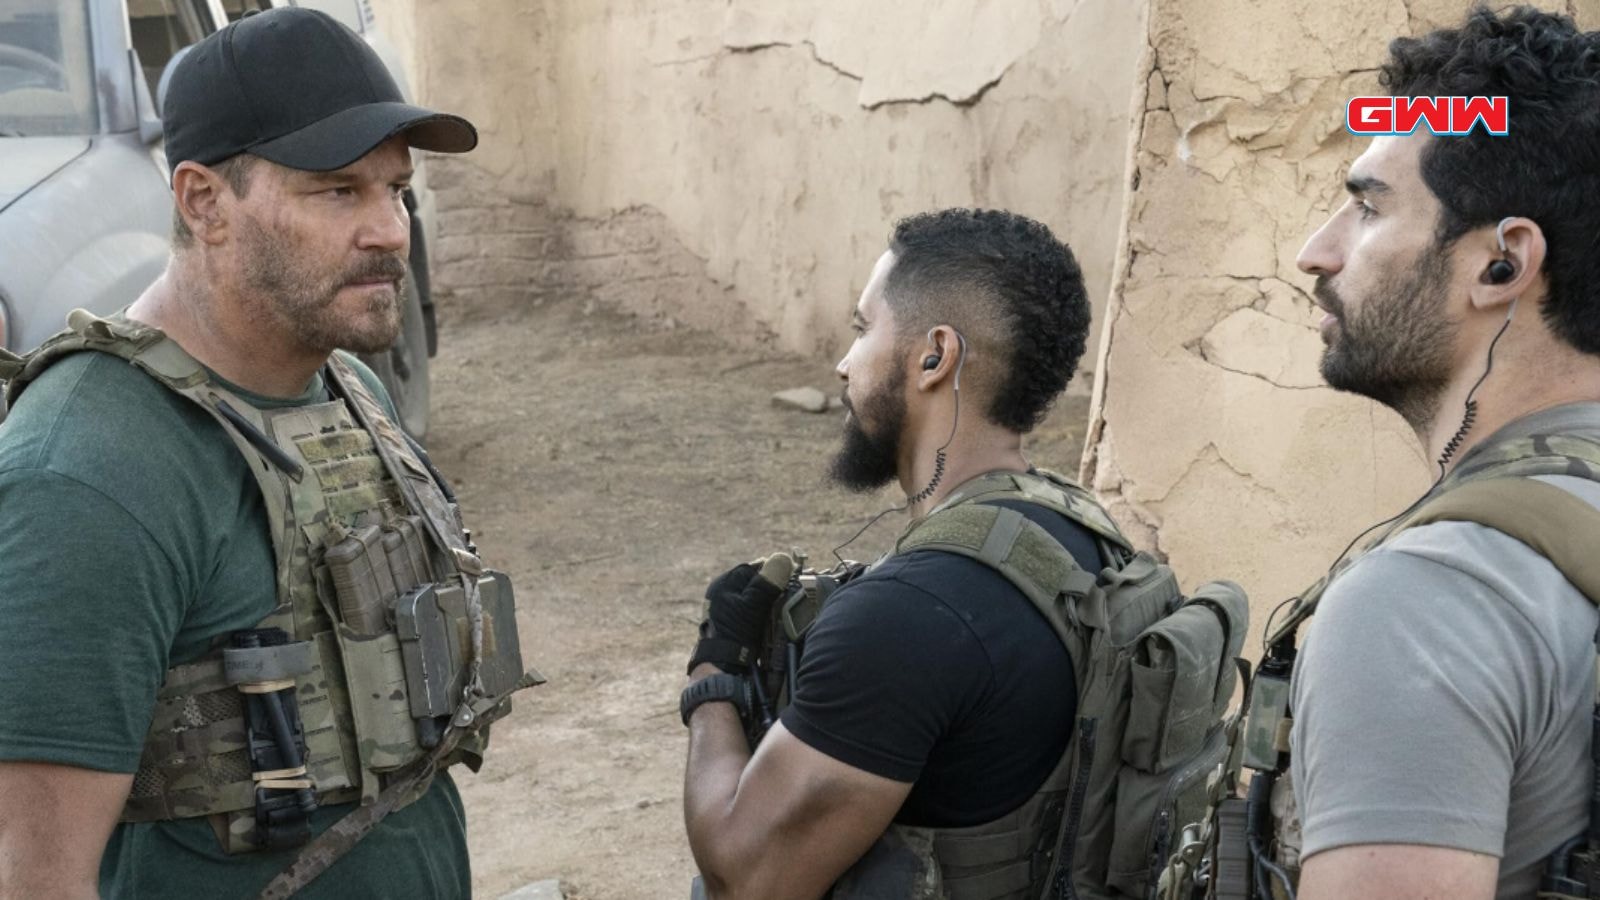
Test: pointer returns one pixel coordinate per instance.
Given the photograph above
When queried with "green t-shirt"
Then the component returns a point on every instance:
(135, 535)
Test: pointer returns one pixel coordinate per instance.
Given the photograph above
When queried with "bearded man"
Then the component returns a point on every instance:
(1443, 700)
(931, 693)
(190, 696)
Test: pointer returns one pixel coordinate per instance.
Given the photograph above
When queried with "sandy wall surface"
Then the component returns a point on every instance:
(737, 166)
(1214, 438)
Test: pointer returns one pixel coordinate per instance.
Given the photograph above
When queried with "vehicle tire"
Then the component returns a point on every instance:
(404, 369)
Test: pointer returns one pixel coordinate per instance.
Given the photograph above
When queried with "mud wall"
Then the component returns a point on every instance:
(1214, 438)
(737, 166)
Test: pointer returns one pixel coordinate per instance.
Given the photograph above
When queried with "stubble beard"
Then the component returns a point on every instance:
(1396, 349)
(869, 456)
(306, 302)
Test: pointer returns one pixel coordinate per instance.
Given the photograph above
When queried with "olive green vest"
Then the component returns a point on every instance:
(1154, 673)
(395, 626)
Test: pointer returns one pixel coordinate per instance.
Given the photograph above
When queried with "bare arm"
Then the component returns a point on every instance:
(1398, 872)
(54, 823)
(784, 824)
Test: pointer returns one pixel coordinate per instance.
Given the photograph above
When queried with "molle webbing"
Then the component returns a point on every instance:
(320, 472)
(332, 475)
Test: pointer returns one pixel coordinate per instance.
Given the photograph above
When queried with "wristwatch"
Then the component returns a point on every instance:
(718, 688)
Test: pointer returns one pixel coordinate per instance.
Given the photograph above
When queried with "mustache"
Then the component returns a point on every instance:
(388, 267)
(1329, 298)
(844, 399)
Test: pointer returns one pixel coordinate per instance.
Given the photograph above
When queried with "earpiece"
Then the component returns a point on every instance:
(1501, 270)
(932, 360)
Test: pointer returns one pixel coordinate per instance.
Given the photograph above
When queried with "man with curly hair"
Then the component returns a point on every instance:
(931, 694)
(1443, 698)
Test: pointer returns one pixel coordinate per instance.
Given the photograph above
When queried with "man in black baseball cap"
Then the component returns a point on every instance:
(182, 508)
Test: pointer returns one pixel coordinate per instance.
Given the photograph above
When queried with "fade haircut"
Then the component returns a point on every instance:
(1013, 290)
(1547, 168)
(235, 170)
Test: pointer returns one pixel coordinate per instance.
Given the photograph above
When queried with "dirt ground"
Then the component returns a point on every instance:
(613, 467)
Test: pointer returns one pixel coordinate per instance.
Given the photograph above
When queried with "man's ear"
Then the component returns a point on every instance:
(197, 193)
(1504, 275)
(941, 358)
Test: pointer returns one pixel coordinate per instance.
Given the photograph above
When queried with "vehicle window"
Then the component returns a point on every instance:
(46, 68)
(161, 28)
(237, 8)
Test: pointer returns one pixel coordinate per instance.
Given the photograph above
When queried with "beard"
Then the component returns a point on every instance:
(1396, 348)
(870, 455)
(295, 295)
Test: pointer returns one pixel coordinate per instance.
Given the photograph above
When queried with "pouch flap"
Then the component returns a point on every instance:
(1137, 594)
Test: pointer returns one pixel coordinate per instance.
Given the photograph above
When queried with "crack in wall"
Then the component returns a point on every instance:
(1149, 65)
(969, 99)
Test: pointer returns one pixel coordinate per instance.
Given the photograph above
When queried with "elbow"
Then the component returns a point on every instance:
(715, 888)
(725, 878)
(719, 888)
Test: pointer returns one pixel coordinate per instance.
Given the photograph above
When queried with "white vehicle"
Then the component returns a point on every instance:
(85, 206)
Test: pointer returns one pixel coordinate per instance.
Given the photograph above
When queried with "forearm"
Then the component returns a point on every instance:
(718, 754)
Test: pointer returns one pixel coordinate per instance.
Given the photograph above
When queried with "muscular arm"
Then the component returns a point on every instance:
(54, 823)
(1399, 872)
(783, 824)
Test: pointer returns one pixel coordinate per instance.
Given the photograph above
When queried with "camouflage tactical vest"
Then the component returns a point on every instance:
(402, 646)
(1153, 671)
(1493, 486)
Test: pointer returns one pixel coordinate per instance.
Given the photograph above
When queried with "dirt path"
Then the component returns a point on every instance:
(612, 468)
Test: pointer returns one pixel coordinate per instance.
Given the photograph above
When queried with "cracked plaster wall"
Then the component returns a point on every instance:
(1213, 439)
(737, 164)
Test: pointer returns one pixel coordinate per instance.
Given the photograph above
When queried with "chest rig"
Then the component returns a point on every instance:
(1249, 847)
(390, 647)
(1149, 666)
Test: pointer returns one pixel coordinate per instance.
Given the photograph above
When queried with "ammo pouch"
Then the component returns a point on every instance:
(388, 650)
(203, 755)
(1182, 677)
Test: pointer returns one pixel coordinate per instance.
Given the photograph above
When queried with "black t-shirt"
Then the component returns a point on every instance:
(934, 669)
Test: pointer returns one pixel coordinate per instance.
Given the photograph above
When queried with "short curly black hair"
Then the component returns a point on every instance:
(1007, 284)
(1547, 168)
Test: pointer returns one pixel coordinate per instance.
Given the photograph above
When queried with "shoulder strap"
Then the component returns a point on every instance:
(1516, 461)
(1557, 525)
(146, 347)
(1016, 547)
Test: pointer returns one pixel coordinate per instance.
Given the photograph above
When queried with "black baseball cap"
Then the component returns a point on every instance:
(296, 87)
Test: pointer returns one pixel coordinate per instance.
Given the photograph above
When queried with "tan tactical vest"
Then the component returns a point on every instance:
(1153, 672)
(402, 646)
(1493, 486)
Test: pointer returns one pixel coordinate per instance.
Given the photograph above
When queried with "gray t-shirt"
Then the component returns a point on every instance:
(1445, 690)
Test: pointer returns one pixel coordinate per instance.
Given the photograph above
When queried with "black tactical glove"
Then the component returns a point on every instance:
(738, 613)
